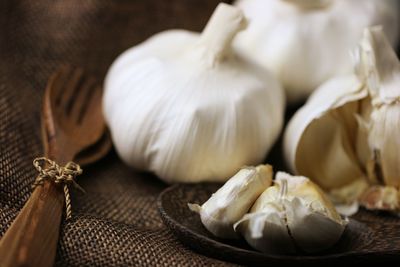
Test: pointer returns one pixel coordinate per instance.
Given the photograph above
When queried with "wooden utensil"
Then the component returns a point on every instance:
(72, 122)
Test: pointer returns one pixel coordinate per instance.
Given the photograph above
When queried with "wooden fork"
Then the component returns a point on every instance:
(72, 125)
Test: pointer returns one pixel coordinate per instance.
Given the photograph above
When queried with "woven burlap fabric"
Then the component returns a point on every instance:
(116, 223)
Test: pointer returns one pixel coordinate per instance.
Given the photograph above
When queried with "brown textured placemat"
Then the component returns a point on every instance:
(116, 222)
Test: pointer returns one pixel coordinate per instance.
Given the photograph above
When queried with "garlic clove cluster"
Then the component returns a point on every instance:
(233, 200)
(347, 140)
(293, 214)
(188, 108)
(306, 42)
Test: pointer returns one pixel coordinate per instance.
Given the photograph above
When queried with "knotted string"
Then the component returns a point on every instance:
(59, 175)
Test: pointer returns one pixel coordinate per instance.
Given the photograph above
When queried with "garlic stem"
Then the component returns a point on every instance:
(310, 4)
(283, 189)
(220, 30)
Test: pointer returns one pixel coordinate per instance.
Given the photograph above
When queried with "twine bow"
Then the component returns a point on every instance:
(59, 175)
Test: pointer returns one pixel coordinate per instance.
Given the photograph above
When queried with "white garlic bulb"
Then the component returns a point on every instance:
(188, 108)
(293, 214)
(233, 200)
(306, 42)
(346, 137)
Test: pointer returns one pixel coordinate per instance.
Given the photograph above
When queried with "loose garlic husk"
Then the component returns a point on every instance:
(233, 200)
(188, 108)
(292, 214)
(306, 42)
(346, 137)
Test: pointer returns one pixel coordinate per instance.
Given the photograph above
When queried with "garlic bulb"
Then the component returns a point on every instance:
(346, 137)
(292, 213)
(306, 42)
(233, 200)
(188, 108)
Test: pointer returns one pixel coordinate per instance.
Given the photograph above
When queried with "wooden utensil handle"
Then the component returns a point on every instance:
(32, 238)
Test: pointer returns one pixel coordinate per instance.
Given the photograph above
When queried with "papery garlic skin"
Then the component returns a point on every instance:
(293, 214)
(188, 108)
(348, 140)
(233, 200)
(381, 69)
(304, 43)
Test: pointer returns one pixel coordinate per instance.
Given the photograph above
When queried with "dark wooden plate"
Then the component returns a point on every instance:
(369, 237)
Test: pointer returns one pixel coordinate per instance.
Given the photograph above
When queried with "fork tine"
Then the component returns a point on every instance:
(54, 90)
(93, 108)
(72, 87)
(81, 98)
(59, 79)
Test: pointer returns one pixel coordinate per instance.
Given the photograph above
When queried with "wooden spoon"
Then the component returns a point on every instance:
(72, 121)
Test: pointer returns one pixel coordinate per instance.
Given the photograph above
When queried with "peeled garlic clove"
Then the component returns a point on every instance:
(187, 107)
(352, 136)
(233, 200)
(296, 38)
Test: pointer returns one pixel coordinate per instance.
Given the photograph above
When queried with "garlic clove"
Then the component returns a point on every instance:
(315, 125)
(346, 198)
(382, 71)
(233, 200)
(349, 193)
(266, 230)
(363, 127)
(312, 230)
(312, 220)
(384, 143)
(293, 213)
(381, 198)
(356, 143)
(311, 194)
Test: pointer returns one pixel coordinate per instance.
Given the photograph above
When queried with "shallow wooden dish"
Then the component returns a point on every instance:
(368, 237)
